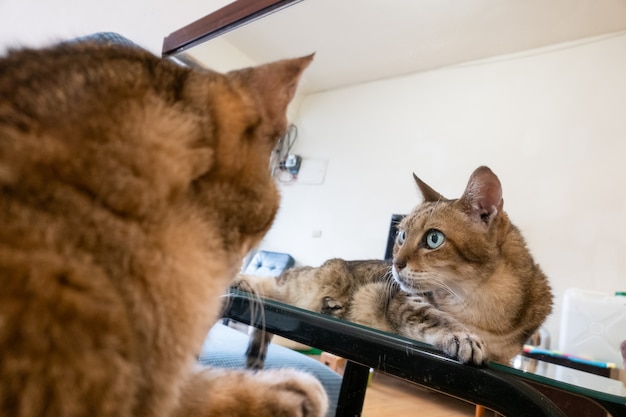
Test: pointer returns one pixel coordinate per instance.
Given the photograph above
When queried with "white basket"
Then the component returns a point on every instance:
(593, 325)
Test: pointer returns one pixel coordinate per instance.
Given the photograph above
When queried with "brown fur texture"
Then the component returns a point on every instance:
(130, 189)
(462, 279)
(483, 273)
(302, 286)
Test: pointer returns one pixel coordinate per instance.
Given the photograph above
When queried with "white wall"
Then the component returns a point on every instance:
(550, 123)
(221, 55)
(42, 22)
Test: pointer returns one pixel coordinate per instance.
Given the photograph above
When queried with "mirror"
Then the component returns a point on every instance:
(359, 42)
(535, 92)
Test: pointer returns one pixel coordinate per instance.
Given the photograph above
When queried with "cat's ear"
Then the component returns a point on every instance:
(482, 198)
(275, 85)
(427, 192)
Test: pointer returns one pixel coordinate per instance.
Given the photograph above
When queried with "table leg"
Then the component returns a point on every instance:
(353, 387)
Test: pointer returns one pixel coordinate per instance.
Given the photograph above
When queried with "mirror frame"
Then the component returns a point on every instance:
(221, 21)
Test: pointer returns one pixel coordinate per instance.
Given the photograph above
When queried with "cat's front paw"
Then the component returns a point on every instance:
(218, 392)
(465, 347)
(292, 394)
(332, 307)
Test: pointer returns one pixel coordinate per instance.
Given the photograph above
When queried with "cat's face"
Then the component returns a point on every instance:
(450, 244)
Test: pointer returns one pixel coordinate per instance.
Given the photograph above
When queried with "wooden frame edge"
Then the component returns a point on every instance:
(229, 17)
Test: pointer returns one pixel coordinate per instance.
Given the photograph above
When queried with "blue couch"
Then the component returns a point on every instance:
(267, 263)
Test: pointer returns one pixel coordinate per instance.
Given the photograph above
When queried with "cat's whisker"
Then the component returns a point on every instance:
(391, 288)
(256, 309)
(256, 306)
(441, 283)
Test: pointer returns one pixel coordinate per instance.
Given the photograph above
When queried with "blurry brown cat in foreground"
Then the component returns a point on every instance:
(462, 279)
(130, 189)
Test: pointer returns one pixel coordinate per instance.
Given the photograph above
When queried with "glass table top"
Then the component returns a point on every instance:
(567, 378)
(395, 354)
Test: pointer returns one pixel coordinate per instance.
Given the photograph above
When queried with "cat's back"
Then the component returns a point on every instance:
(86, 156)
(368, 271)
(130, 188)
(89, 181)
(41, 83)
(66, 224)
(339, 278)
(70, 113)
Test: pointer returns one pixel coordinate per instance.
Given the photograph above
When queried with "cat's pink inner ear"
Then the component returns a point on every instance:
(483, 194)
(428, 193)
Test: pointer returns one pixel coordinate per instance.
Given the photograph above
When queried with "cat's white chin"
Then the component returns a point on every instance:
(405, 285)
(413, 285)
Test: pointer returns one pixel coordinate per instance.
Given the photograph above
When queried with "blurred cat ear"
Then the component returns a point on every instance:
(275, 84)
(483, 195)
(428, 193)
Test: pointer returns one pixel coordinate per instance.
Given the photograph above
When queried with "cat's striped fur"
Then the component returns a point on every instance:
(130, 189)
(461, 279)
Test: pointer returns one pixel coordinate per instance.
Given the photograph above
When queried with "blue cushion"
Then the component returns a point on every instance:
(266, 263)
(225, 347)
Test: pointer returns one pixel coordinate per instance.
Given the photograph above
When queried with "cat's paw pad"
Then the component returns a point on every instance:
(331, 307)
(292, 393)
(465, 347)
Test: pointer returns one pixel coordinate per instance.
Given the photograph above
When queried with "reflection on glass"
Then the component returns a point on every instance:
(227, 46)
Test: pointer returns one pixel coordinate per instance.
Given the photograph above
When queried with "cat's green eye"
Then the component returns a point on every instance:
(434, 239)
(401, 237)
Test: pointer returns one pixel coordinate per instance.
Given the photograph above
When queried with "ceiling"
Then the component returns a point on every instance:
(355, 40)
(358, 41)
(37, 23)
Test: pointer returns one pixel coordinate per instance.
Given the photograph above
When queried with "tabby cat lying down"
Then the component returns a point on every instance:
(130, 190)
(462, 280)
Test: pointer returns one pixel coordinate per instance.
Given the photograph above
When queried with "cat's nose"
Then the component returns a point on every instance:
(399, 264)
